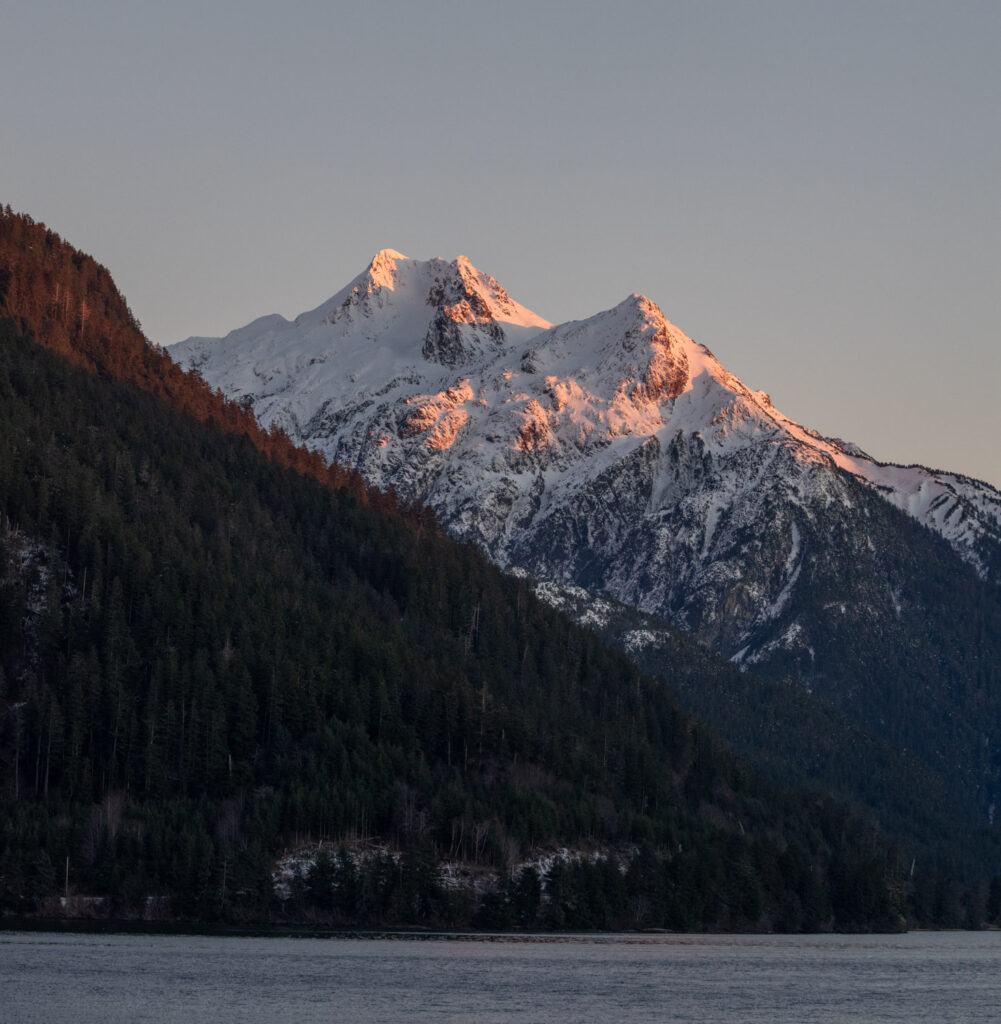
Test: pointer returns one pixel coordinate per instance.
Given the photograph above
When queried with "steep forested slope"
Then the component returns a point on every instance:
(68, 303)
(797, 738)
(207, 657)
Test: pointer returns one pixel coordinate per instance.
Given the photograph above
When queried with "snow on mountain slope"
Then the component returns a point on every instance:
(613, 452)
(397, 315)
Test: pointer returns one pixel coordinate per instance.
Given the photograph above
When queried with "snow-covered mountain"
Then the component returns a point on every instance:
(612, 452)
(617, 455)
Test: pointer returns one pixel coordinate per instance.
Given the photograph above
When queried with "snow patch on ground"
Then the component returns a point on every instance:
(636, 640)
(587, 609)
(292, 868)
(790, 638)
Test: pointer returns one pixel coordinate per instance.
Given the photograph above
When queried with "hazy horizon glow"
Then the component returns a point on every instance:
(812, 190)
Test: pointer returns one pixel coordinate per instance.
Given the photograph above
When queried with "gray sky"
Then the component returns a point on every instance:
(813, 190)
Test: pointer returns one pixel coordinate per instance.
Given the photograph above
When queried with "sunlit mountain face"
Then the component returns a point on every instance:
(428, 376)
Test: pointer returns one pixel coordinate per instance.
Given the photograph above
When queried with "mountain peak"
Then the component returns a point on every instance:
(647, 306)
(471, 296)
(577, 397)
(381, 272)
(457, 290)
(640, 307)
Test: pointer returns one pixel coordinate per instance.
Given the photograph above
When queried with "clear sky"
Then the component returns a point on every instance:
(812, 189)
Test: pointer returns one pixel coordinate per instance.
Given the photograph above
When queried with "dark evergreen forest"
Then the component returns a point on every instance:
(799, 740)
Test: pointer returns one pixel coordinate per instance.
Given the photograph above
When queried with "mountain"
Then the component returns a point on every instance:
(417, 365)
(214, 661)
(616, 454)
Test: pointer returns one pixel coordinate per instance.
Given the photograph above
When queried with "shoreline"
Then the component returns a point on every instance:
(92, 926)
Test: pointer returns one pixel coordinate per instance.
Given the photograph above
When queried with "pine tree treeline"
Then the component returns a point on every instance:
(644, 889)
(207, 657)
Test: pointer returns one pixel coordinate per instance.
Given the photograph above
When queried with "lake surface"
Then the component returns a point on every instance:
(48, 978)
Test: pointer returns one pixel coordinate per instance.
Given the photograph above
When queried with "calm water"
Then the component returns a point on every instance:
(768, 979)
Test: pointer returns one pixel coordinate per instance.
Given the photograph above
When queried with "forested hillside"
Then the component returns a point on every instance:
(208, 658)
(68, 303)
(799, 740)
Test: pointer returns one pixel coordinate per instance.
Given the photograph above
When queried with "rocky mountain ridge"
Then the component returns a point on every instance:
(613, 452)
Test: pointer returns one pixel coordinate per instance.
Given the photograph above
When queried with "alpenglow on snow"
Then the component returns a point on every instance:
(612, 453)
